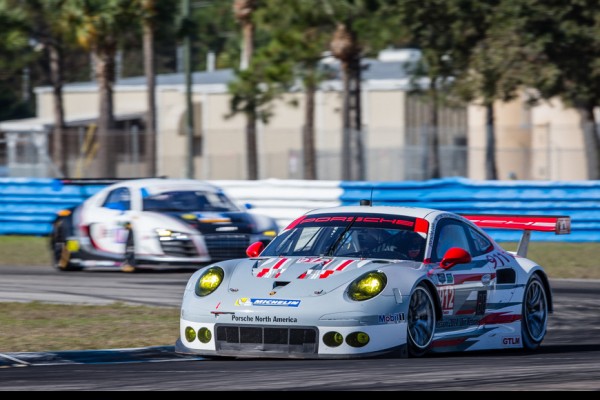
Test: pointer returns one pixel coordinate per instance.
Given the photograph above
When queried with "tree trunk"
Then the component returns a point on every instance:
(251, 146)
(433, 143)
(248, 45)
(58, 140)
(106, 148)
(346, 125)
(344, 46)
(491, 173)
(308, 138)
(591, 141)
(149, 70)
(359, 156)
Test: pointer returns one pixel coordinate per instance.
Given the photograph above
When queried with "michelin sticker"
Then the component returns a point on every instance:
(245, 301)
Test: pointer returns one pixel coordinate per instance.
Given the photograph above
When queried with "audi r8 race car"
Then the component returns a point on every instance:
(155, 223)
(359, 281)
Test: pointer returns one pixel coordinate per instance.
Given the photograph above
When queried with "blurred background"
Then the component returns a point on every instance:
(353, 90)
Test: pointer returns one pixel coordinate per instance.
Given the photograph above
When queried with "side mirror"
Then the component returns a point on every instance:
(255, 249)
(248, 206)
(454, 256)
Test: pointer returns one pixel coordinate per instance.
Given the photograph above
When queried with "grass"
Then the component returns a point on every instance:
(24, 250)
(565, 260)
(46, 327)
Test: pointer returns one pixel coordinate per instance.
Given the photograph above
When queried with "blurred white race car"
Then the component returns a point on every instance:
(156, 223)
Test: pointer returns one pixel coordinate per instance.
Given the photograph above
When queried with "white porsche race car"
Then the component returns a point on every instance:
(360, 281)
(155, 223)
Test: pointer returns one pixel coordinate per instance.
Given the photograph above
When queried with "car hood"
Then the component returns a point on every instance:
(302, 276)
(218, 222)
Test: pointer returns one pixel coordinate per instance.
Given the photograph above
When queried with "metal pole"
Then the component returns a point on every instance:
(135, 145)
(187, 65)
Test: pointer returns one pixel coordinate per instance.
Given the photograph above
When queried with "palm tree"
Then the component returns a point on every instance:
(148, 16)
(299, 36)
(98, 25)
(359, 29)
(47, 29)
(16, 54)
(243, 10)
(345, 47)
(152, 14)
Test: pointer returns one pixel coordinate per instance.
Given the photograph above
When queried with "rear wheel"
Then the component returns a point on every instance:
(421, 321)
(129, 263)
(535, 313)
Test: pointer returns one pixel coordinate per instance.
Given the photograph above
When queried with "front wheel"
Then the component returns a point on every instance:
(61, 255)
(421, 321)
(535, 313)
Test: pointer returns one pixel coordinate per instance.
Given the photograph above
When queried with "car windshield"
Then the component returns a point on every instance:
(361, 236)
(188, 200)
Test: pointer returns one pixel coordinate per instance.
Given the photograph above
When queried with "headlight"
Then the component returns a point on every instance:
(367, 286)
(167, 234)
(209, 281)
(190, 334)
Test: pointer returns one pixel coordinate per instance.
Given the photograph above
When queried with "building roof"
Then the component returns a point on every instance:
(390, 70)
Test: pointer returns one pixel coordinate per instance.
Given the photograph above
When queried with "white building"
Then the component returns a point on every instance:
(540, 143)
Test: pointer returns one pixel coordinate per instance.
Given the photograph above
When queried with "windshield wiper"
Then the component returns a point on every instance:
(335, 244)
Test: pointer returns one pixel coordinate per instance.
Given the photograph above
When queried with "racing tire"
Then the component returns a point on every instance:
(420, 321)
(129, 263)
(534, 319)
(61, 256)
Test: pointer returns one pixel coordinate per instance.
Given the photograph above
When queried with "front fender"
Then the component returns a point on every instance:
(406, 279)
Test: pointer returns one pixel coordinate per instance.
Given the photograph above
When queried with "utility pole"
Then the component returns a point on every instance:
(187, 66)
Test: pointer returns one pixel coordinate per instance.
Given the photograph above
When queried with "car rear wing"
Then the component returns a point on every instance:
(559, 224)
(94, 181)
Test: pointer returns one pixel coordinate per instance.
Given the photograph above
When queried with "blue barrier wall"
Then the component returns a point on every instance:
(28, 206)
(578, 199)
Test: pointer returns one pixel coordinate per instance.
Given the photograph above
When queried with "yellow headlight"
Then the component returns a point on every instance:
(209, 281)
(333, 339)
(367, 286)
(190, 334)
(204, 335)
(358, 339)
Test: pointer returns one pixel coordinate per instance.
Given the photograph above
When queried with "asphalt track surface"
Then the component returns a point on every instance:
(569, 358)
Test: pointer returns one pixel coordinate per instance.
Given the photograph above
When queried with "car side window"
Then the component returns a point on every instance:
(118, 199)
(449, 233)
(481, 244)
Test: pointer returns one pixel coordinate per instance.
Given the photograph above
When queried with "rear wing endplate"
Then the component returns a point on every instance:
(559, 224)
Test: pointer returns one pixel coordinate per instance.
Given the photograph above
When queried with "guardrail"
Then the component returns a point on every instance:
(578, 199)
(28, 206)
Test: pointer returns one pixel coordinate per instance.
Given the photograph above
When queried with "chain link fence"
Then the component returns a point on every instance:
(222, 157)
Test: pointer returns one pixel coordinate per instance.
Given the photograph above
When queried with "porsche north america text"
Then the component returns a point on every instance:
(267, 318)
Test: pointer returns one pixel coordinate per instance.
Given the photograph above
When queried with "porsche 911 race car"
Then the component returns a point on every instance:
(155, 223)
(360, 281)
